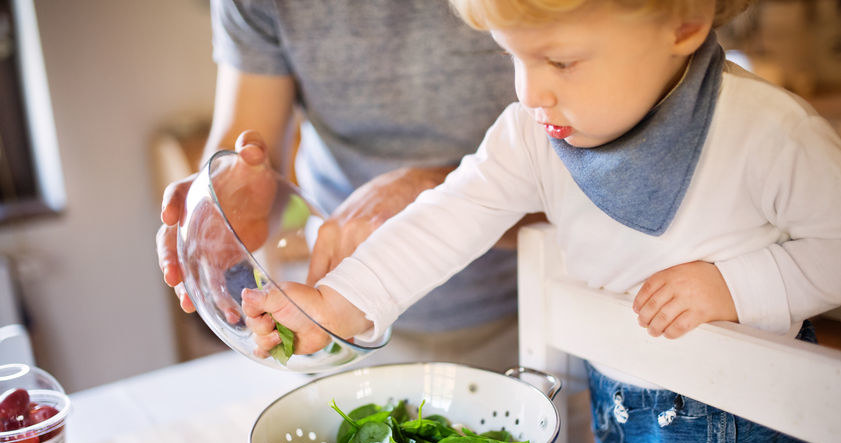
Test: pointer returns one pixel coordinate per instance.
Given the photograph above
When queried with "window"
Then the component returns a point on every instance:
(30, 174)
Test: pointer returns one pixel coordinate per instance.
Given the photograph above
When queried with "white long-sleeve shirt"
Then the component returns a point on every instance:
(764, 205)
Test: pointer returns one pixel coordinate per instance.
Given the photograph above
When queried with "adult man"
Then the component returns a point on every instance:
(393, 93)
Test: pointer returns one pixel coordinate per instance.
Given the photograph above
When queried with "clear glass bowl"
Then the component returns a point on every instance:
(248, 227)
(43, 392)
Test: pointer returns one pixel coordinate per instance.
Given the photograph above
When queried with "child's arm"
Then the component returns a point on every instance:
(422, 246)
(449, 226)
(326, 306)
(680, 298)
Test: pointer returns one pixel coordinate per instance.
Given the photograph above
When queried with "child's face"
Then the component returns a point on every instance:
(593, 75)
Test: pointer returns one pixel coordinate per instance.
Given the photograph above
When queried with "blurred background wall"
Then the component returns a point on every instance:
(88, 278)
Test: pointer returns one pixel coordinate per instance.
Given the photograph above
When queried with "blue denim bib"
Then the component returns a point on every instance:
(641, 178)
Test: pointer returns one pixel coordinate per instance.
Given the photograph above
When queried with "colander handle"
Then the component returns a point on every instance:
(555, 382)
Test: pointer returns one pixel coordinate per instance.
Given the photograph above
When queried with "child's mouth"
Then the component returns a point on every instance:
(559, 132)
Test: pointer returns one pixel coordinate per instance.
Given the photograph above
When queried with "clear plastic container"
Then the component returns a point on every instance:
(33, 405)
(248, 227)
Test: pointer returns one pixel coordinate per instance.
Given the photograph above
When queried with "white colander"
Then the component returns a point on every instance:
(480, 399)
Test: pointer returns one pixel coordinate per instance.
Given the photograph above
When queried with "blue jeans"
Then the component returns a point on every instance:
(627, 413)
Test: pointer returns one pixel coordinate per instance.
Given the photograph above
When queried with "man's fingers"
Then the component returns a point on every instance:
(172, 202)
(322, 252)
(186, 304)
(353, 234)
(165, 242)
(251, 147)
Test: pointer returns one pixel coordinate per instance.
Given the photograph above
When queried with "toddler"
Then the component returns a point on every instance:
(668, 172)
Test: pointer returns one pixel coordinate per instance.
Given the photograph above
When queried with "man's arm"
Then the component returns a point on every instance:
(263, 103)
(243, 102)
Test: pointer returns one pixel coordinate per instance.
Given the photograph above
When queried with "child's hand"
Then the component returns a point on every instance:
(678, 299)
(323, 304)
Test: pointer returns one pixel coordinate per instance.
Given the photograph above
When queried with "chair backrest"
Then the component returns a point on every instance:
(779, 382)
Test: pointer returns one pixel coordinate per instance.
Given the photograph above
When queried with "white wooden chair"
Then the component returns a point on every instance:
(782, 383)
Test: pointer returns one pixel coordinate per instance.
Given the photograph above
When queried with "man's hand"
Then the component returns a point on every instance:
(238, 186)
(678, 299)
(364, 211)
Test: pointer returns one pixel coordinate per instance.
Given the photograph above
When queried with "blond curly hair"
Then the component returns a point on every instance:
(487, 14)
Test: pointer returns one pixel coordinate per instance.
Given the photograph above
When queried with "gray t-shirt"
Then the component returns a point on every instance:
(383, 84)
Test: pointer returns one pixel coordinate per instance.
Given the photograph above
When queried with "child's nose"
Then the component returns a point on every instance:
(534, 91)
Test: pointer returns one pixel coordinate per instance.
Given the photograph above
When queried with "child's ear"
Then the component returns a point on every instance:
(691, 31)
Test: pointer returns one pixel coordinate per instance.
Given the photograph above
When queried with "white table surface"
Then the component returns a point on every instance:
(211, 399)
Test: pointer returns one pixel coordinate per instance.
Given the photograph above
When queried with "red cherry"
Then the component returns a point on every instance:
(12, 423)
(39, 413)
(13, 403)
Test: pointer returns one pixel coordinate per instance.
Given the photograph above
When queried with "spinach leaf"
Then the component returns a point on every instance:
(348, 419)
(377, 417)
(391, 424)
(465, 439)
(373, 432)
(400, 413)
(352, 421)
(427, 429)
(474, 439)
(440, 419)
(286, 348)
(398, 436)
(468, 432)
(501, 435)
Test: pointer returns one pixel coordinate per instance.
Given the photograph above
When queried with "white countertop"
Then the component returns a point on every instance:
(211, 399)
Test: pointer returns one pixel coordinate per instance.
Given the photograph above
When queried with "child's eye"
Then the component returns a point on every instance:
(562, 65)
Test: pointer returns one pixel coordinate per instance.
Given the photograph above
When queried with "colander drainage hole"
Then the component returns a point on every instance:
(482, 421)
(516, 421)
(494, 413)
(507, 413)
